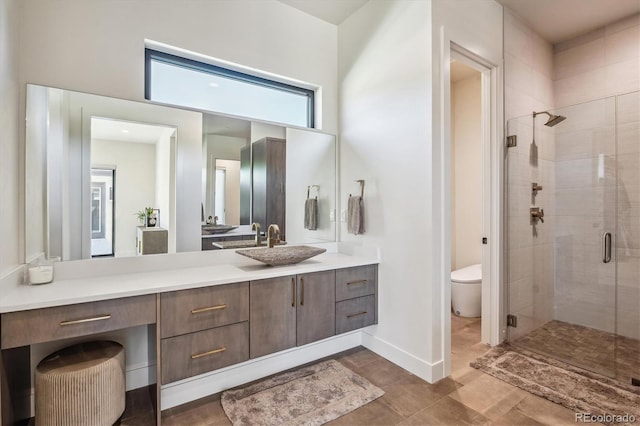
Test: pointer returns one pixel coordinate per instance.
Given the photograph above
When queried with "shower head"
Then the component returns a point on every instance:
(553, 119)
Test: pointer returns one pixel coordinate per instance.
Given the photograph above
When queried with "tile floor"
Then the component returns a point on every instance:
(595, 350)
(467, 397)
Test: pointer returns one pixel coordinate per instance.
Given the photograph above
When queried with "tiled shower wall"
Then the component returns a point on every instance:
(539, 76)
(528, 88)
(602, 63)
(585, 208)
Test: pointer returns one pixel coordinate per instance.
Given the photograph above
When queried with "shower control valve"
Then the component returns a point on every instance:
(537, 214)
(535, 187)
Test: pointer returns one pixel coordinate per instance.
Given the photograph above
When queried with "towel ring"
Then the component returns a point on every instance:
(361, 182)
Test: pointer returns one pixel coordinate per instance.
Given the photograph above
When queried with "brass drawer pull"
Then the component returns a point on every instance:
(80, 321)
(356, 315)
(357, 282)
(207, 309)
(293, 292)
(213, 352)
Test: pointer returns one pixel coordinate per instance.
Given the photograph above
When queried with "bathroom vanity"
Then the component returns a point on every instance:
(197, 320)
(200, 318)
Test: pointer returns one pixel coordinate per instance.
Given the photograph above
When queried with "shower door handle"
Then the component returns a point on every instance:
(606, 247)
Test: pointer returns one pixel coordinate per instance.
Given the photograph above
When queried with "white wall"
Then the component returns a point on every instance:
(262, 130)
(385, 85)
(135, 165)
(98, 46)
(231, 190)
(477, 28)
(11, 177)
(391, 108)
(466, 176)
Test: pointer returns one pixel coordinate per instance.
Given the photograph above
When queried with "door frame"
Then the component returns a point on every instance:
(491, 206)
(493, 329)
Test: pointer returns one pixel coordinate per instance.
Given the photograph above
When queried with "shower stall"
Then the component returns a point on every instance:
(573, 234)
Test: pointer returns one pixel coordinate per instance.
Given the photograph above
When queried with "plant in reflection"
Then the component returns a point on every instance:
(146, 216)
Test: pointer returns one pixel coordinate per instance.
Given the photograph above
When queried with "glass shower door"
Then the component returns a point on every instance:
(561, 257)
(628, 238)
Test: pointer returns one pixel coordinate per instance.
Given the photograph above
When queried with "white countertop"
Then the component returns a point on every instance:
(240, 231)
(113, 286)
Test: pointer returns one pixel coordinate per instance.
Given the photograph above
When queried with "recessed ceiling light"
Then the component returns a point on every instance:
(125, 131)
(213, 84)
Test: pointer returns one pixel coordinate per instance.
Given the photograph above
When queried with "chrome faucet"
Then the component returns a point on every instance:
(273, 235)
(255, 226)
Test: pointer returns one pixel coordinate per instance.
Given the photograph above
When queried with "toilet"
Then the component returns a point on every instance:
(466, 291)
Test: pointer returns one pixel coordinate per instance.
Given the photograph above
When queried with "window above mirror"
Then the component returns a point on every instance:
(175, 80)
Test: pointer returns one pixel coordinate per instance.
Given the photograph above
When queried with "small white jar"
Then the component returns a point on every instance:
(40, 271)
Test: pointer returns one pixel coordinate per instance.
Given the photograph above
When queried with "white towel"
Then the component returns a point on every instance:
(355, 215)
(311, 214)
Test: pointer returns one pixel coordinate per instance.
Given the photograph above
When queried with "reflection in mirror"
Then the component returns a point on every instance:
(94, 162)
(223, 176)
(132, 167)
(83, 194)
(311, 163)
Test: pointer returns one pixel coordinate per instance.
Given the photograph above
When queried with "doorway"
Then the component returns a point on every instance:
(486, 214)
(467, 201)
(102, 212)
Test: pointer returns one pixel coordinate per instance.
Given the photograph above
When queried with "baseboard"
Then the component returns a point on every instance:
(140, 375)
(421, 368)
(187, 390)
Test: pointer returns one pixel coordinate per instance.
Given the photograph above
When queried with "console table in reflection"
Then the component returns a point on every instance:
(152, 240)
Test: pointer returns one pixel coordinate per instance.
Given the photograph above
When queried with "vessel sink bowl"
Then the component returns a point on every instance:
(278, 256)
(217, 229)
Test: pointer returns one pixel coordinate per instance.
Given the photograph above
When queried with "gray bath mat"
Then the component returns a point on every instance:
(610, 402)
(311, 395)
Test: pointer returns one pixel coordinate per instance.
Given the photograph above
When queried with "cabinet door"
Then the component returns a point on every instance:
(269, 182)
(272, 315)
(316, 318)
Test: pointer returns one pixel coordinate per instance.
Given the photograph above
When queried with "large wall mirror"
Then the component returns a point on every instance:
(94, 164)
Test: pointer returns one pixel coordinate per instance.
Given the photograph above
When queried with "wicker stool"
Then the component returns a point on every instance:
(81, 385)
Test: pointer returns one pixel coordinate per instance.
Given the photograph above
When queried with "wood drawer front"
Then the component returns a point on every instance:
(355, 313)
(355, 282)
(196, 353)
(61, 322)
(186, 311)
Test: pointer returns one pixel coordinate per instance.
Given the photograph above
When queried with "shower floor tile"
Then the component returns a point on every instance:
(594, 350)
